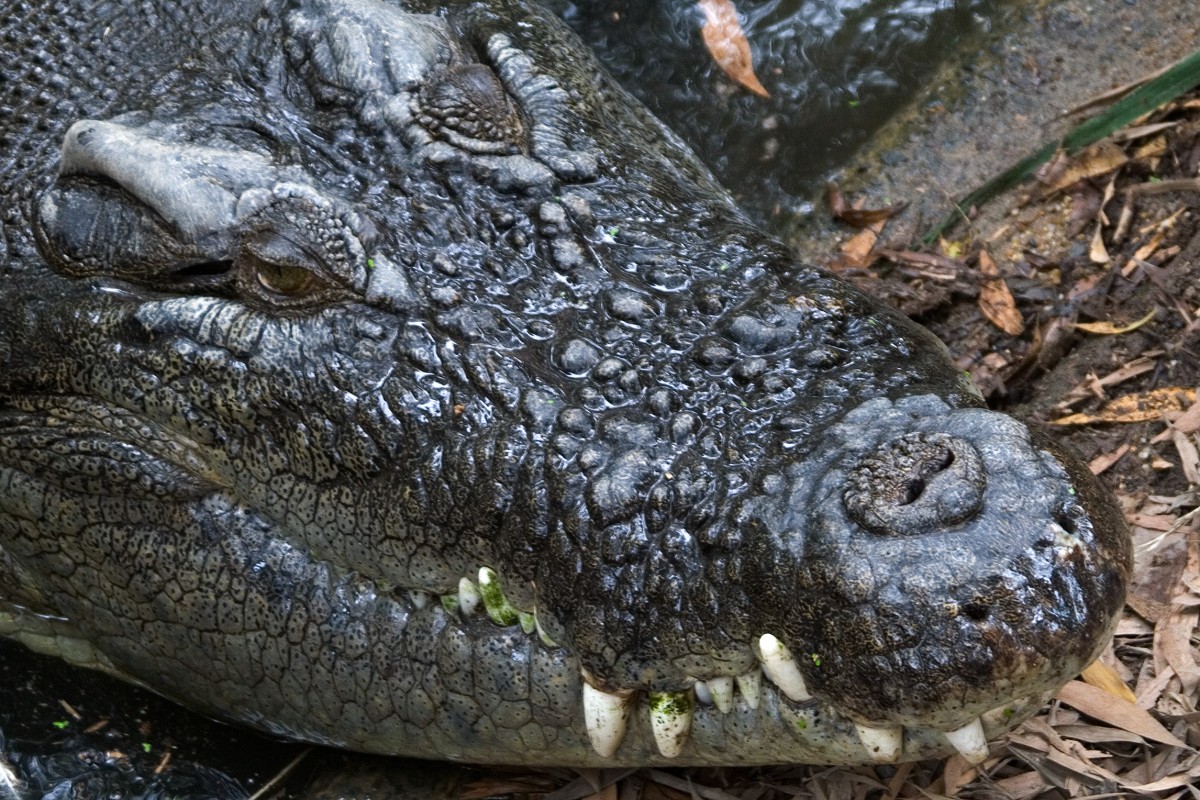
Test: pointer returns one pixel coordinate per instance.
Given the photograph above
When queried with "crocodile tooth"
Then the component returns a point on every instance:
(528, 623)
(750, 684)
(970, 741)
(1064, 540)
(495, 603)
(721, 690)
(468, 596)
(418, 598)
(606, 716)
(671, 721)
(541, 632)
(781, 668)
(702, 693)
(884, 745)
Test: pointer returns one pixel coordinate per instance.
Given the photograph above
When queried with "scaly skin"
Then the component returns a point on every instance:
(393, 380)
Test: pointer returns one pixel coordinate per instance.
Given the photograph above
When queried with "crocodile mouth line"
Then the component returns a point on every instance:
(608, 713)
(122, 449)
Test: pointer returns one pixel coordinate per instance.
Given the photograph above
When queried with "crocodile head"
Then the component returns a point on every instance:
(393, 380)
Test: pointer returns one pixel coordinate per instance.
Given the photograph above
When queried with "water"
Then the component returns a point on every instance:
(836, 71)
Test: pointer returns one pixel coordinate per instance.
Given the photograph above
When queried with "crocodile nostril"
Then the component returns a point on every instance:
(915, 484)
(976, 611)
(1066, 522)
(915, 487)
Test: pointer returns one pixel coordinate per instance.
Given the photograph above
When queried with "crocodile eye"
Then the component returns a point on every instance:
(283, 279)
(279, 271)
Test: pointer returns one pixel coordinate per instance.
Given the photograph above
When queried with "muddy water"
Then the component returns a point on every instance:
(836, 70)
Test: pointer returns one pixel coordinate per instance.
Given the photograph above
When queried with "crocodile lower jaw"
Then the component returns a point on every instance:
(608, 714)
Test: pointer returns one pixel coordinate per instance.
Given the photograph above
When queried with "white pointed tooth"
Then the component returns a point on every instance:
(468, 596)
(671, 721)
(721, 690)
(702, 693)
(750, 684)
(418, 598)
(606, 716)
(781, 668)
(970, 741)
(541, 632)
(884, 745)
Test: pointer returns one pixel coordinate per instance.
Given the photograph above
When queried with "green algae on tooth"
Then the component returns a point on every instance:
(781, 668)
(671, 721)
(495, 603)
(721, 690)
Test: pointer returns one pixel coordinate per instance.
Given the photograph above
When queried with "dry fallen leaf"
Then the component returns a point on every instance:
(856, 215)
(1143, 407)
(995, 300)
(1109, 329)
(1099, 159)
(1102, 676)
(726, 43)
(1116, 712)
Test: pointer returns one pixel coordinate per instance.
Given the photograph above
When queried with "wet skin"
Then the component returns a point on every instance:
(383, 375)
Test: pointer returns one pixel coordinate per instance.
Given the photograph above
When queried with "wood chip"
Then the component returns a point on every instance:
(1100, 464)
(1189, 456)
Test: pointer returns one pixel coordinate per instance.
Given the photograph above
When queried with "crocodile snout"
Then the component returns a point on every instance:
(932, 555)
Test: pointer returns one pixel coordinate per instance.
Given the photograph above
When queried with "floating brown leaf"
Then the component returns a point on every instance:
(855, 214)
(995, 300)
(865, 217)
(726, 43)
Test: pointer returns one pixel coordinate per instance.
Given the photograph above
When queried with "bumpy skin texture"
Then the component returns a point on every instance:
(314, 308)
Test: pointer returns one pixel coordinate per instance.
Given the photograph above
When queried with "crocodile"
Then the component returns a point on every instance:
(383, 375)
